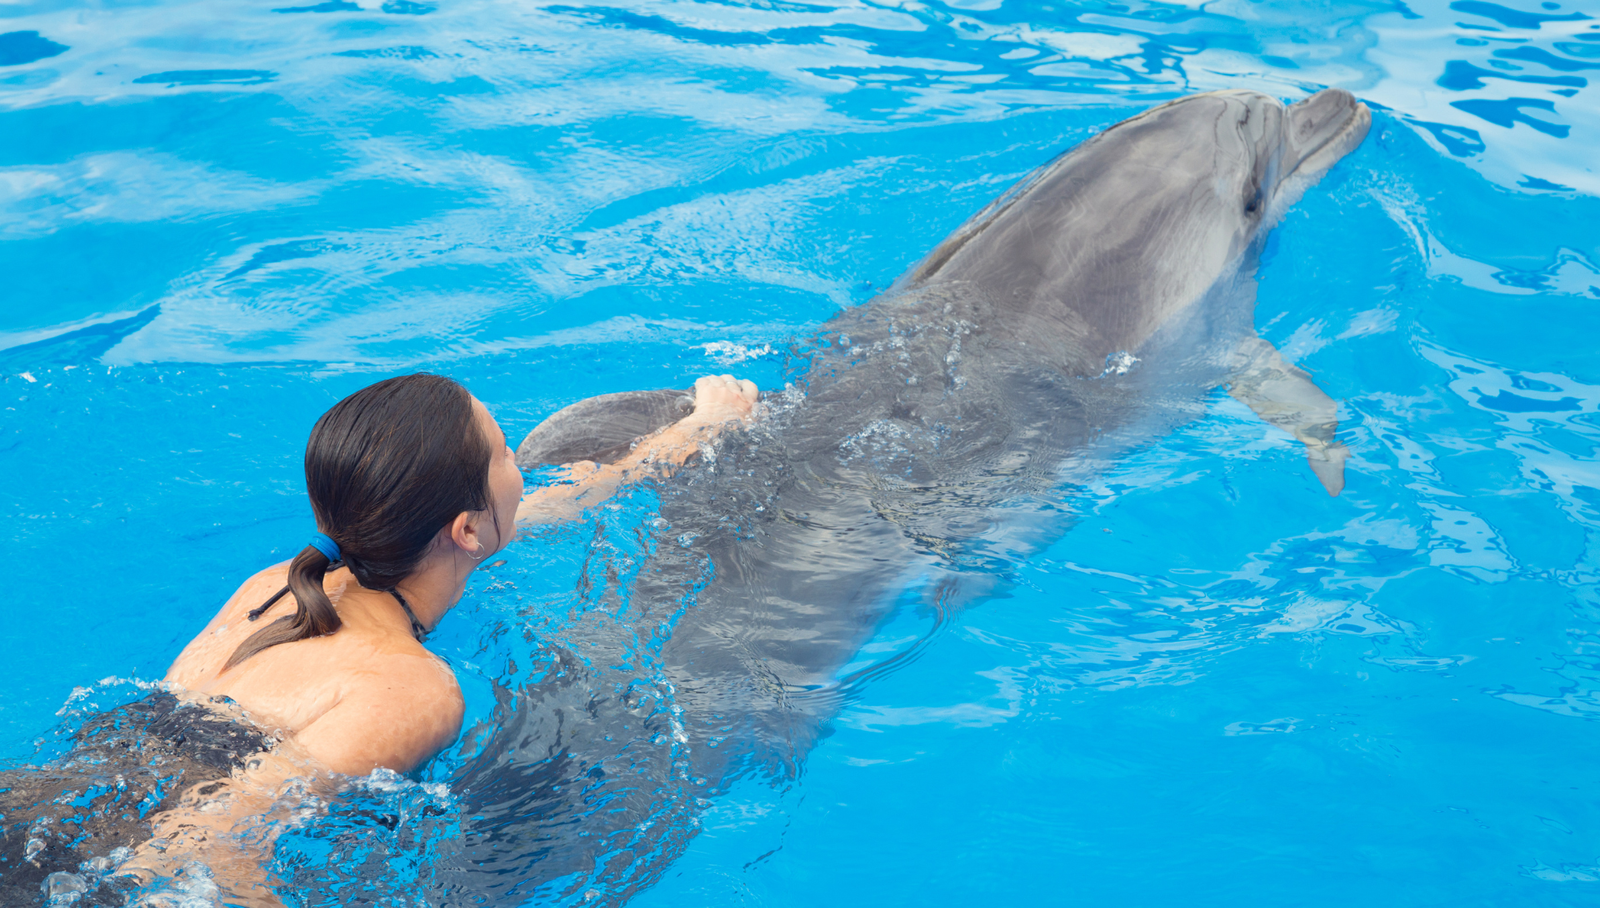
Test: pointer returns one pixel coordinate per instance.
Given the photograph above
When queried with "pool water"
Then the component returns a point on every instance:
(1219, 686)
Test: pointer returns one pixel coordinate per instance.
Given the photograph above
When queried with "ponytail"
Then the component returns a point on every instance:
(313, 616)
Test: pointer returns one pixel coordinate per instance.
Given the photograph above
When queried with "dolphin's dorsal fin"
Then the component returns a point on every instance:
(1285, 396)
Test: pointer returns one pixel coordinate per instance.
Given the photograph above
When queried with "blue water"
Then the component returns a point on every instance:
(1219, 687)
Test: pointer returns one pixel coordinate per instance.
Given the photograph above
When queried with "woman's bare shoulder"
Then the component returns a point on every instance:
(195, 661)
(265, 582)
(256, 589)
(423, 680)
(407, 708)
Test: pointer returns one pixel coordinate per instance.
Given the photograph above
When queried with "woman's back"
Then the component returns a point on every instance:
(372, 668)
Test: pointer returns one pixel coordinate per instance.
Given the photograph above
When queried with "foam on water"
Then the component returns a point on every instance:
(1219, 686)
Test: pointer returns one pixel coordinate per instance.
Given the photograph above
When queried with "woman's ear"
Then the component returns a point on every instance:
(463, 532)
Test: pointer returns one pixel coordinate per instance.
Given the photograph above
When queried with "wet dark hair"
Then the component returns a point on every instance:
(386, 469)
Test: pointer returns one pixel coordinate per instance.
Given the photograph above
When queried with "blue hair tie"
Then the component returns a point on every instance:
(324, 543)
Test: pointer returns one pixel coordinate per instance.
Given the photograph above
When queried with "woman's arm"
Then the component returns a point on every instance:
(229, 827)
(718, 401)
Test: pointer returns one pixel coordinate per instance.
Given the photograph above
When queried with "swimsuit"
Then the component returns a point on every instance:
(417, 630)
(125, 764)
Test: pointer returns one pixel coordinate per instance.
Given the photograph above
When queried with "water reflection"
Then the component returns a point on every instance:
(515, 156)
(550, 197)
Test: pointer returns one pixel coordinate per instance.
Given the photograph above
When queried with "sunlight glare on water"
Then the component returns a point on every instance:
(1218, 686)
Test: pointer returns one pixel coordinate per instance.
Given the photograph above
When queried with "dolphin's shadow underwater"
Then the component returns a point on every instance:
(1090, 309)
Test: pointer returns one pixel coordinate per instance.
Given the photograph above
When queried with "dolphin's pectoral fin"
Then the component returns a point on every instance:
(1285, 396)
(602, 429)
(1328, 463)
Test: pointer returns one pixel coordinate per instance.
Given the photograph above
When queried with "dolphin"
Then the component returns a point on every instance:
(922, 450)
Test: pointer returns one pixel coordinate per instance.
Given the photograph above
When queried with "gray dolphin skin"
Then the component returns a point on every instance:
(923, 451)
(602, 429)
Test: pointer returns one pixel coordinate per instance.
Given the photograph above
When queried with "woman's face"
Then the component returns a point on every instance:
(505, 483)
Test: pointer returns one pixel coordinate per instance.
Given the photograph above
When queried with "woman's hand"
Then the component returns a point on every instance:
(721, 399)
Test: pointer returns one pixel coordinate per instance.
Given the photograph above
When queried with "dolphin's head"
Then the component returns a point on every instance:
(1095, 251)
(1278, 152)
(1198, 179)
(1315, 134)
(1233, 162)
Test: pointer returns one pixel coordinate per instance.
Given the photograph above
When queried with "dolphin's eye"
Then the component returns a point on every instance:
(1254, 204)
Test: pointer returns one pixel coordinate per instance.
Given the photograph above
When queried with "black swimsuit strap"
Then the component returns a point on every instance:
(261, 609)
(417, 630)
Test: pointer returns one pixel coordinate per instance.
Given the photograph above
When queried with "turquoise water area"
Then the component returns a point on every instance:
(1218, 687)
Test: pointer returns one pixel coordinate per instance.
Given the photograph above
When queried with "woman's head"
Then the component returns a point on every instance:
(387, 469)
(391, 465)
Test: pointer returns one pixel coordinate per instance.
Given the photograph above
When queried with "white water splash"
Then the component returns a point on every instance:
(1119, 363)
(727, 353)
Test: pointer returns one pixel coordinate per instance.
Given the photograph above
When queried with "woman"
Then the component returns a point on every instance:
(315, 669)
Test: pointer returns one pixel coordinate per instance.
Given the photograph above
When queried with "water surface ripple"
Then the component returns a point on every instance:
(1208, 683)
